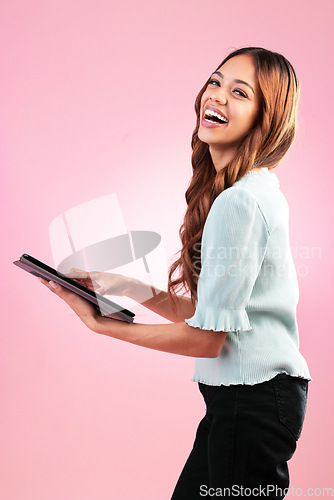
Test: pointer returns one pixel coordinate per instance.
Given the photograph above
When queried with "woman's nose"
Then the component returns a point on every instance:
(219, 97)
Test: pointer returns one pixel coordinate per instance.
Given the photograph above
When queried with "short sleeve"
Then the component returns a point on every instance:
(234, 241)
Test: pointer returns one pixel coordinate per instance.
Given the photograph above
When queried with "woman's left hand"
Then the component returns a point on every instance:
(82, 308)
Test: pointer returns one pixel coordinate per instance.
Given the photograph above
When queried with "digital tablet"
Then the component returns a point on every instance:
(106, 307)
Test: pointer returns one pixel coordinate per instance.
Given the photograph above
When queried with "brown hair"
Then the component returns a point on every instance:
(264, 146)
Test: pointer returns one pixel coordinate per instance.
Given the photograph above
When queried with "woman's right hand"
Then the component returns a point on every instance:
(102, 283)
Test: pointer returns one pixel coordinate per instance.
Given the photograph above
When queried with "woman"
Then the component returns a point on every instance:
(240, 319)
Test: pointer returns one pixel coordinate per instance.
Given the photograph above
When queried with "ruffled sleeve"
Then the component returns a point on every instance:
(234, 242)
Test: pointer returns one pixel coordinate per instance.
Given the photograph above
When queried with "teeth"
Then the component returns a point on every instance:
(209, 112)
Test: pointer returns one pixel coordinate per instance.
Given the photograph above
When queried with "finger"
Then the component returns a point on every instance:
(42, 280)
(51, 285)
(77, 273)
(95, 284)
(61, 291)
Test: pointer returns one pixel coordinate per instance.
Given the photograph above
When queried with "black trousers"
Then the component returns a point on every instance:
(244, 441)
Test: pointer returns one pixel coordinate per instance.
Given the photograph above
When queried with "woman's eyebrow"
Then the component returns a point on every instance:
(236, 81)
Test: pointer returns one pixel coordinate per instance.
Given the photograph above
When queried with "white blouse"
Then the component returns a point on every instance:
(248, 285)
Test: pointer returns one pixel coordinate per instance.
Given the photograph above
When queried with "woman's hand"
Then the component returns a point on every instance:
(88, 314)
(102, 283)
(176, 338)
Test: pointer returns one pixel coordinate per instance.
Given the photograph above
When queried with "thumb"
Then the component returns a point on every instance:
(77, 273)
(100, 291)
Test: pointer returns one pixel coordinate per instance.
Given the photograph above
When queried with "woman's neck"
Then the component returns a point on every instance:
(221, 158)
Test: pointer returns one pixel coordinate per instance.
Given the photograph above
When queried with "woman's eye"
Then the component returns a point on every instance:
(217, 84)
(241, 92)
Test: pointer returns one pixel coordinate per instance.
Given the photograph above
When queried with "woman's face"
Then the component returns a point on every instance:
(230, 104)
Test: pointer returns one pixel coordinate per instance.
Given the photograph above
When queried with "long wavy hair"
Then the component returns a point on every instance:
(264, 146)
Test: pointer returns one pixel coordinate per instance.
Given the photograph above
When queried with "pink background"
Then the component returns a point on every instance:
(93, 93)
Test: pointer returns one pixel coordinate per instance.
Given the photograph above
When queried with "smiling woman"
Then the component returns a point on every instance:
(229, 108)
(239, 322)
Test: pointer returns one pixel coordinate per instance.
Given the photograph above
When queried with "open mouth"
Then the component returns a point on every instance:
(214, 117)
